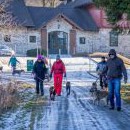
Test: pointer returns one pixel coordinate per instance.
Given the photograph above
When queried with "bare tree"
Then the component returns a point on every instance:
(51, 3)
(45, 2)
(54, 3)
(6, 17)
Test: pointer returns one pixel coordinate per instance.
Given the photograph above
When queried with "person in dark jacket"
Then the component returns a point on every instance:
(115, 69)
(58, 69)
(101, 66)
(39, 70)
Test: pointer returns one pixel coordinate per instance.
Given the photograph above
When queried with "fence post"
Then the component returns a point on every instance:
(59, 51)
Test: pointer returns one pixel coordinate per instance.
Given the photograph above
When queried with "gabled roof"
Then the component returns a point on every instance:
(37, 17)
(20, 12)
(41, 16)
(79, 3)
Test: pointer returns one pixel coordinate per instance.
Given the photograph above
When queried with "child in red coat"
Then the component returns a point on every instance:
(58, 69)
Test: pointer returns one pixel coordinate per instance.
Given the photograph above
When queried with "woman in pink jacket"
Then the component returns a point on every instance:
(58, 69)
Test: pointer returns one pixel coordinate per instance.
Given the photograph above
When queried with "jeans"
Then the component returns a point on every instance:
(114, 86)
(39, 83)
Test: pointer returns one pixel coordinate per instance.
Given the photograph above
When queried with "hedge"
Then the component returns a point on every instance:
(33, 52)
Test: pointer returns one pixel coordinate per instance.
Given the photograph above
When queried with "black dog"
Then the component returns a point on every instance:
(52, 93)
(68, 87)
(1, 69)
(17, 72)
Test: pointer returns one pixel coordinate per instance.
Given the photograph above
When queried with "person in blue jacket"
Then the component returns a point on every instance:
(13, 62)
(101, 67)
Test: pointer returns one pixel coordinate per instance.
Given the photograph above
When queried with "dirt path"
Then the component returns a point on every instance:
(75, 112)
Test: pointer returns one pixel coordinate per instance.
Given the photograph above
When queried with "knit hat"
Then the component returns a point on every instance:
(39, 57)
(113, 52)
(57, 57)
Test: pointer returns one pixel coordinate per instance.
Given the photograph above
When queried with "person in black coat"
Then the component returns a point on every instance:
(115, 68)
(39, 70)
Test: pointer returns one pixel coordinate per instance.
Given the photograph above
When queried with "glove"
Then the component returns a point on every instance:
(34, 75)
(125, 81)
(50, 76)
(65, 75)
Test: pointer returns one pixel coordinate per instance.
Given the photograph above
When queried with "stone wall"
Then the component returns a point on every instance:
(100, 42)
(95, 41)
(20, 39)
(123, 42)
(91, 42)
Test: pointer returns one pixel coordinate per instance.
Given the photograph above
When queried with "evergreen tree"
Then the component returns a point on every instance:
(114, 9)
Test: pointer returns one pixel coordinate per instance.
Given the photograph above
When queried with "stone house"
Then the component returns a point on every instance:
(74, 27)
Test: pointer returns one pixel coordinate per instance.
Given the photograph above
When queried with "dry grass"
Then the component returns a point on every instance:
(8, 95)
(125, 92)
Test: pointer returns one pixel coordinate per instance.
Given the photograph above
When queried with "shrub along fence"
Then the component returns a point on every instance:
(33, 52)
(125, 92)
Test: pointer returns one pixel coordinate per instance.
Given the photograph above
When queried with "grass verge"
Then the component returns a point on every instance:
(125, 92)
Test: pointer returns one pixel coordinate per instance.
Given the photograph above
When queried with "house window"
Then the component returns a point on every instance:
(7, 38)
(32, 39)
(113, 38)
(82, 40)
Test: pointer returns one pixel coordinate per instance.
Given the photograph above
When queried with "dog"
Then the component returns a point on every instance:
(17, 72)
(98, 95)
(1, 69)
(52, 93)
(68, 88)
(93, 89)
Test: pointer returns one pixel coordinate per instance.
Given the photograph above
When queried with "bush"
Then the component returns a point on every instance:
(33, 52)
(8, 96)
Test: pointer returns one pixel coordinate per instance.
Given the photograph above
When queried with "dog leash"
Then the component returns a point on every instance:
(37, 77)
(97, 80)
(41, 79)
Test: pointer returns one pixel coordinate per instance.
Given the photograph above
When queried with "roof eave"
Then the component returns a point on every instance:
(84, 5)
(66, 18)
